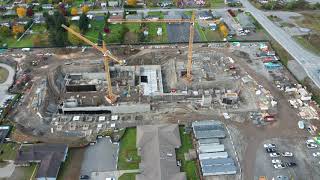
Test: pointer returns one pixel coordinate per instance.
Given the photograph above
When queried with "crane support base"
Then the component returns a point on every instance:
(187, 79)
(111, 98)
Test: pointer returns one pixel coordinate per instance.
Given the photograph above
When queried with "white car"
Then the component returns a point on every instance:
(279, 166)
(269, 146)
(274, 154)
(316, 154)
(312, 146)
(276, 161)
(310, 141)
(287, 154)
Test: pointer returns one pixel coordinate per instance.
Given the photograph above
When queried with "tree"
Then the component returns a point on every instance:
(223, 30)
(57, 35)
(132, 2)
(84, 23)
(17, 30)
(4, 31)
(85, 9)
(62, 9)
(72, 38)
(74, 11)
(21, 11)
(30, 12)
(100, 39)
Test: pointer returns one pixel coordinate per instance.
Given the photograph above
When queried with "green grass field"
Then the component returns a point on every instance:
(128, 157)
(3, 75)
(189, 167)
(128, 176)
(312, 44)
(9, 151)
(217, 3)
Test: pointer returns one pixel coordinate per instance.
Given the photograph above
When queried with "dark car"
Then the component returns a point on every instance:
(290, 164)
(270, 150)
(84, 177)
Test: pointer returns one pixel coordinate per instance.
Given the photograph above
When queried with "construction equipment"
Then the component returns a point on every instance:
(105, 53)
(110, 97)
(188, 75)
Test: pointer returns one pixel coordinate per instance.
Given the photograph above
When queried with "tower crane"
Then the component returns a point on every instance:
(110, 97)
(188, 75)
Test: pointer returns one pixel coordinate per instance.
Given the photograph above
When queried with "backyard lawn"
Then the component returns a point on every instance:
(128, 176)
(70, 169)
(25, 173)
(189, 167)
(9, 151)
(128, 156)
(217, 3)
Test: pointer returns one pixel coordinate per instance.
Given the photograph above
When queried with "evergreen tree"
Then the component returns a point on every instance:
(100, 39)
(83, 23)
(57, 35)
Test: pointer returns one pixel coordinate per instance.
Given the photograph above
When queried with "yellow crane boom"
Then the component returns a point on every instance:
(105, 53)
(188, 76)
(110, 97)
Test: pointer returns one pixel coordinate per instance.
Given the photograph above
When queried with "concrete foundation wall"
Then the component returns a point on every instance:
(119, 109)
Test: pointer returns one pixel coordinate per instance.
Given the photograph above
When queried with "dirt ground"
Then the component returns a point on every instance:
(247, 137)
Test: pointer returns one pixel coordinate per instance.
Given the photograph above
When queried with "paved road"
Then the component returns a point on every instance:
(4, 86)
(308, 60)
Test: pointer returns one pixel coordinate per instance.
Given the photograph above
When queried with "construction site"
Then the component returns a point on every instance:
(81, 93)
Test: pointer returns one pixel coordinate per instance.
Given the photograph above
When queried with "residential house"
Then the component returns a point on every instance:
(204, 15)
(246, 22)
(156, 145)
(48, 156)
(47, 6)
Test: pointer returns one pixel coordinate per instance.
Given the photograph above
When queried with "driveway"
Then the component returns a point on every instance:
(5, 86)
(100, 157)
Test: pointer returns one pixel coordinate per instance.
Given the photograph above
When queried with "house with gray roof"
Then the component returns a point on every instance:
(245, 21)
(156, 145)
(49, 157)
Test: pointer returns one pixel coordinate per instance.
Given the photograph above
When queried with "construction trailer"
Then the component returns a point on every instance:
(211, 148)
(215, 155)
(218, 170)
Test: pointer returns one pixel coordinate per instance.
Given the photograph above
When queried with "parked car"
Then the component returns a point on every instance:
(290, 164)
(279, 166)
(84, 177)
(270, 150)
(269, 146)
(274, 154)
(311, 146)
(316, 154)
(310, 141)
(276, 161)
(287, 154)
(282, 178)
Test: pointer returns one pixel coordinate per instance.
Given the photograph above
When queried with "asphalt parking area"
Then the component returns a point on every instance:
(307, 165)
(100, 157)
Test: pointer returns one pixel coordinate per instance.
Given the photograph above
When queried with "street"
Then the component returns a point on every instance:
(306, 59)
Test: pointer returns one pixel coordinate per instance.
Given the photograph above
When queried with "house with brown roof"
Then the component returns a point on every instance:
(156, 145)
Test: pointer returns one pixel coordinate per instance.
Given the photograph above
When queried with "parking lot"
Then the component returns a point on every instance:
(180, 32)
(302, 156)
(100, 157)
